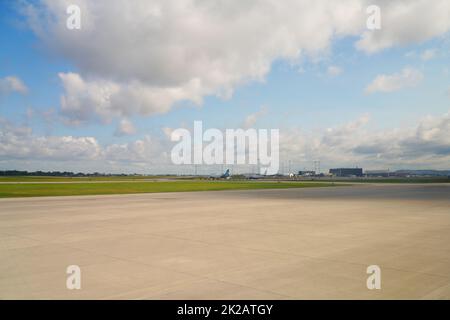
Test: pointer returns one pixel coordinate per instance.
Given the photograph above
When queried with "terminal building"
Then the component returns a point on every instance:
(347, 172)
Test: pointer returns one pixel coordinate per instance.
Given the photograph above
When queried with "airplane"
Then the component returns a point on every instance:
(226, 175)
(255, 176)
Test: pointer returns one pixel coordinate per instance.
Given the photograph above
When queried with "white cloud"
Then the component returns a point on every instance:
(408, 77)
(425, 145)
(406, 22)
(103, 99)
(146, 150)
(20, 143)
(12, 84)
(251, 119)
(142, 57)
(84, 101)
(334, 71)
(180, 50)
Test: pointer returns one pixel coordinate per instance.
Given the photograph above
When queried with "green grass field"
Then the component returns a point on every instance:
(75, 179)
(70, 189)
(391, 180)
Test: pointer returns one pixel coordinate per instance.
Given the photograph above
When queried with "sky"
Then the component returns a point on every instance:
(106, 97)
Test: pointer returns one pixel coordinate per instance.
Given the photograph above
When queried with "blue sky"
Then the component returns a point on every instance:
(300, 94)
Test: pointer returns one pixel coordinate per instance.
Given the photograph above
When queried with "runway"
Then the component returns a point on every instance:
(313, 243)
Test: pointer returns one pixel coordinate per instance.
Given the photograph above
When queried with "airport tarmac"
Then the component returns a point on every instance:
(313, 243)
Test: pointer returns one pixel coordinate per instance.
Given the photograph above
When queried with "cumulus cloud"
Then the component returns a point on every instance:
(142, 57)
(146, 150)
(20, 143)
(84, 101)
(251, 119)
(408, 77)
(405, 22)
(125, 128)
(427, 144)
(12, 84)
(101, 100)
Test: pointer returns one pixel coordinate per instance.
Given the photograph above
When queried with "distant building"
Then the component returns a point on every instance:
(378, 173)
(306, 173)
(347, 172)
(422, 173)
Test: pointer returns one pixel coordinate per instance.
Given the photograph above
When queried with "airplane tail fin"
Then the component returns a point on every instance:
(226, 174)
